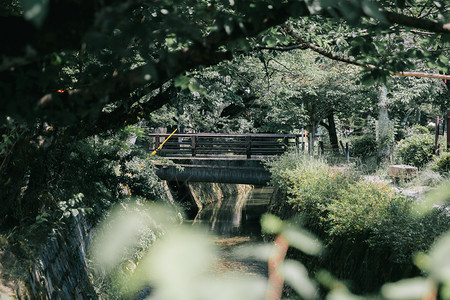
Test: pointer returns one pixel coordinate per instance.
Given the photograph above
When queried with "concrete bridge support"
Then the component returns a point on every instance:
(243, 171)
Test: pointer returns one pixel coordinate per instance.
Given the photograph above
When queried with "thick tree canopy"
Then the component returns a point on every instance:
(118, 49)
(74, 68)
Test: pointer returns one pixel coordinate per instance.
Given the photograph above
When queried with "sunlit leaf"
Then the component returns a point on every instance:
(121, 230)
(326, 279)
(117, 234)
(182, 82)
(228, 26)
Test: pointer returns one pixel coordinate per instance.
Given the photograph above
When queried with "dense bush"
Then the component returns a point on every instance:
(369, 228)
(362, 206)
(308, 183)
(443, 163)
(419, 129)
(364, 146)
(416, 150)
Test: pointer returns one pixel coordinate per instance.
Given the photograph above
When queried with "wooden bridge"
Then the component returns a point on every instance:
(214, 144)
(225, 158)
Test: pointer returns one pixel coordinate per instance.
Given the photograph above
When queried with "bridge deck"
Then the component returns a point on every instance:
(216, 144)
(226, 158)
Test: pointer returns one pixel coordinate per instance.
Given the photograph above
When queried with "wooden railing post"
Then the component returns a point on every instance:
(448, 129)
(286, 143)
(297, 142)
(248, 140)
(194, 145)
(436, 137)
(156, 142)
(347, 152)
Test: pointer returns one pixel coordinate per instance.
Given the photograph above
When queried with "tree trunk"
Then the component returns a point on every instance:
(312, 130)
(332, 132)
(385, 132)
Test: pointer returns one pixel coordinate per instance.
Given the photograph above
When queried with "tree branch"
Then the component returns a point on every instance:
(154, 75)
(281, 48)
(418, 23)
(305, 44)
(120, 87)
(119, 117)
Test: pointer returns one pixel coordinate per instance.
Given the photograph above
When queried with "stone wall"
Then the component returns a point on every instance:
(60, 270)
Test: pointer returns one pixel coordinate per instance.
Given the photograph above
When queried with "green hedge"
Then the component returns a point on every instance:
(416, 150)
(364, 146)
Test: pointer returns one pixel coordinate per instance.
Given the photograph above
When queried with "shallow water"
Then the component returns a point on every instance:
(235, 221)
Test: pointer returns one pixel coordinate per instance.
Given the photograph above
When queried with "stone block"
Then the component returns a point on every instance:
(403, 172)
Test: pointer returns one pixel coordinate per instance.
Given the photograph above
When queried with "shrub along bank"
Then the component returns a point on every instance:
(369, 229)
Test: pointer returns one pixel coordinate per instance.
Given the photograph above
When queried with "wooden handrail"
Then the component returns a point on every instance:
(194, 144)
(228, 135)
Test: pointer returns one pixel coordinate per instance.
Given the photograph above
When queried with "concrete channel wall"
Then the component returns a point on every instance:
(60, 270)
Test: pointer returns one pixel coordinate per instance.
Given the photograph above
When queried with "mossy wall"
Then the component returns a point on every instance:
(60, 270)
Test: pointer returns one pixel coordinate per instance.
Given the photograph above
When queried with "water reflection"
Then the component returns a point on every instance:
(236, 211)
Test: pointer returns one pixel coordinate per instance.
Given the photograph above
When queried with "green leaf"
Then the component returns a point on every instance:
(270, 41)
(444, 59)
(182, 82)
(35, 11)
(194, 86)
(74, 212)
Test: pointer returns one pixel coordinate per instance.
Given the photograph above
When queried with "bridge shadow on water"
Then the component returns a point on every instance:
(235, 219)
(237, 213)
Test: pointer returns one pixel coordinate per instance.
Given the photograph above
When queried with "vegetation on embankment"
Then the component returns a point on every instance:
(370, 230)
(83, 180)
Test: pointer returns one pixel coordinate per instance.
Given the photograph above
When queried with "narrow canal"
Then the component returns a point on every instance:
(234, 218)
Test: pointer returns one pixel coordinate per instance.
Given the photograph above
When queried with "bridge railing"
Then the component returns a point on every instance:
(193, 144)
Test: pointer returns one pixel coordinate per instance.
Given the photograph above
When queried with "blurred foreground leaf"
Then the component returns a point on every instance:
(439, 259)
(271, 224)
(302, 240)
(260, 252)
(181, 264)
(413, 288)
(296, 275)
(436, 197)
